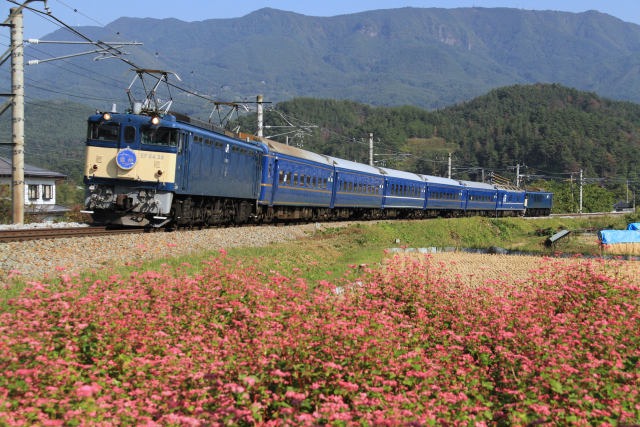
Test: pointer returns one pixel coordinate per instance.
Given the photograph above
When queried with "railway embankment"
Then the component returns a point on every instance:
(317, 248)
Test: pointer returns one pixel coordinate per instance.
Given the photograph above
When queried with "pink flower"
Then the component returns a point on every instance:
(279, 373)
(84, 391)
(250, 381)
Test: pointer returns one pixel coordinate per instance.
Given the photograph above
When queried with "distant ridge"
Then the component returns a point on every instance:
(430, 58)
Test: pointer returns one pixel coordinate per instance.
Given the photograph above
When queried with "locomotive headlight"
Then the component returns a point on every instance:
(94, 167)
(159, 172)
(106, 116)
(155, 120)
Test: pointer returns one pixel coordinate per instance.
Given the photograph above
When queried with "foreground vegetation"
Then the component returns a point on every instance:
(233, 344)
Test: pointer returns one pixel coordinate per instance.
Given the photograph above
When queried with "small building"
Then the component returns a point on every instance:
(623, 207)
(39, 190)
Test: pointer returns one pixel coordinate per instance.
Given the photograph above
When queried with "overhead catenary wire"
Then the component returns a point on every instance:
(117, 53)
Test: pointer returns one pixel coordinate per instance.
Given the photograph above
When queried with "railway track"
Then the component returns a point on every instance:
(58, 233)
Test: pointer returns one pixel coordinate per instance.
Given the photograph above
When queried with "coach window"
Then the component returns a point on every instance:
(294, 181)
(281, 177)
(129, 134)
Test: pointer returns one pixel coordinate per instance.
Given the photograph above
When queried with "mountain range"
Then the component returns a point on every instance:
(429, 58)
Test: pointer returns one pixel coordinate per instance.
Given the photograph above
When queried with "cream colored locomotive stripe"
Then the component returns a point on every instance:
(148, 163)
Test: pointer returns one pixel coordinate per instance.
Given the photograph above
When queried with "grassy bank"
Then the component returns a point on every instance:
(332, 252)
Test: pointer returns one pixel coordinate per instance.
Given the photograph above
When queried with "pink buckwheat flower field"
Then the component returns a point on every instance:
(402, 344)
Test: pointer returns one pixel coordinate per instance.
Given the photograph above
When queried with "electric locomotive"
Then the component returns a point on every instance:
(159, 169)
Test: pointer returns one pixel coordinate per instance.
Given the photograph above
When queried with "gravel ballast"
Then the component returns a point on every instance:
(48, 258)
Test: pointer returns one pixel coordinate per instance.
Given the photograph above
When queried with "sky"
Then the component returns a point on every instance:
(91, 12)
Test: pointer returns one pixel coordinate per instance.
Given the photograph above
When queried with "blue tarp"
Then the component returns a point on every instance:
(634, 226)
(619, 236)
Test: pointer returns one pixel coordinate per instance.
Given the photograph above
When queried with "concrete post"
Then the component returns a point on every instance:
(260, 116)
(580, 210)
(370, 149)
(17, 117)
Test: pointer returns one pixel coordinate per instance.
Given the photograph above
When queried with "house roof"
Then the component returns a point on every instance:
(29, 171)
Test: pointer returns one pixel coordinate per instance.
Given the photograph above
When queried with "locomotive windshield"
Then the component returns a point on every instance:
(104, 131)
(159, 136)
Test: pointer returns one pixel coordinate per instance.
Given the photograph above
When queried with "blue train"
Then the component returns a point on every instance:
(170, 170)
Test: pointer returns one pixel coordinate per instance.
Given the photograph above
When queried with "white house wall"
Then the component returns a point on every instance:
(40, 182)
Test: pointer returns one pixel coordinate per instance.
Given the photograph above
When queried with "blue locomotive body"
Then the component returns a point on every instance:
(539, 203)
(169, 170)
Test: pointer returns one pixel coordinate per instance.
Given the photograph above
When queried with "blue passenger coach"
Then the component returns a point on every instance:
(357, 186)
(511, 201)
(292, 177)
(444, 195)
(404, 190)
(480, 198)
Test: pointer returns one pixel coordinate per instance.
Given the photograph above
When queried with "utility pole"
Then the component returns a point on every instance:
(580, 210)
(449, 175)
(370, 149)
(17, 116)
(482, 174)
(260, 116)
(571, 179)
(627, 191)
(518, 175)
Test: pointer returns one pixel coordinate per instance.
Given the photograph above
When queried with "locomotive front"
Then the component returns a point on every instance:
(130, 168)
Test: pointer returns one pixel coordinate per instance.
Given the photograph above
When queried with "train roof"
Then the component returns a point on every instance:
(359, 167)
(278, 147)
(402, 174)
(478, 185)
(511, 188)
(440, 180)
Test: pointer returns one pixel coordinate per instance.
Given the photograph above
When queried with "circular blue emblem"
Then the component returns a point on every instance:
(126, 159)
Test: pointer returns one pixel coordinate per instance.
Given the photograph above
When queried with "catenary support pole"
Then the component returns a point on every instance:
(518, 175)
(449, 174)
(627, 191)
(370, 149)
(580, 210)
(260, 116)
(17, 88)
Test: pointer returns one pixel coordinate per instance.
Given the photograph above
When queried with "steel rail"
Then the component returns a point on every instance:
(58, 233)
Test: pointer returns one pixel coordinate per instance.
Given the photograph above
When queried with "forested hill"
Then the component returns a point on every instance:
(428, 57)
(548, 127)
